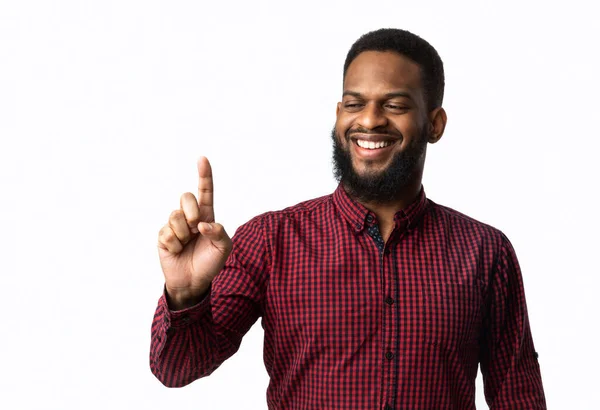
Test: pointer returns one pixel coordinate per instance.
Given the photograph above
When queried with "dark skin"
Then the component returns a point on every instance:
(383, 103)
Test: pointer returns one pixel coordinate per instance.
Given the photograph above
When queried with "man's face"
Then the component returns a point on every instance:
(380, 134)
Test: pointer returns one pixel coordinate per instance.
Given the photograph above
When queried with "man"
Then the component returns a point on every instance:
(374, 297)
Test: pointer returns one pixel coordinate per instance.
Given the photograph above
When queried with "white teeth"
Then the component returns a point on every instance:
(372, 145)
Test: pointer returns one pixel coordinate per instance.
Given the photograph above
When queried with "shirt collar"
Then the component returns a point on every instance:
(358, 216)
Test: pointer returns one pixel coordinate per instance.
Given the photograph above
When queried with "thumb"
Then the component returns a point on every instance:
(215, 232)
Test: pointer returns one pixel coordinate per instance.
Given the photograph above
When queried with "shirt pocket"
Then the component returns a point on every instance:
(453, 312)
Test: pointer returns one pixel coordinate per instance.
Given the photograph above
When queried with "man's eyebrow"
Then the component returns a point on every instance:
(352, 93)
(399, 94)
(394, 94)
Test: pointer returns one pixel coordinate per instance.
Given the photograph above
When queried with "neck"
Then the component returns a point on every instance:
(385, 211)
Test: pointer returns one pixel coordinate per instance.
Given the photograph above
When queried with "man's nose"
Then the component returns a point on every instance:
(372, 116)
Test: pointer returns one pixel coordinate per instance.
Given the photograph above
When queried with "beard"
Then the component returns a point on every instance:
(384, 186)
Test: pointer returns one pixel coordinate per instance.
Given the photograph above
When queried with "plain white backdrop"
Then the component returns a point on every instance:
(106, 105)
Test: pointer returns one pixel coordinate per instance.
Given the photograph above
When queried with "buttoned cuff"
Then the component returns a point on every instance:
(184, 317)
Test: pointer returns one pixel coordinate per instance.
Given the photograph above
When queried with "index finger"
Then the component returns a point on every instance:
(205, 191)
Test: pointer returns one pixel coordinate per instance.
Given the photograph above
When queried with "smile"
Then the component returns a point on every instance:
(372, 144)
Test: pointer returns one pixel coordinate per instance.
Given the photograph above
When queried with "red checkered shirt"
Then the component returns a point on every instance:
(351, 322)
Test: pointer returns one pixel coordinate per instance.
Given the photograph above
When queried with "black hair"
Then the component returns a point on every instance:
(411, 46)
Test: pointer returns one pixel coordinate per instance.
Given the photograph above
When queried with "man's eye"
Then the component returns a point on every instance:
(396, 107)
(353, 105)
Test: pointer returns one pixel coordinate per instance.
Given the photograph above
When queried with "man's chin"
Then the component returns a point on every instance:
(369, 171)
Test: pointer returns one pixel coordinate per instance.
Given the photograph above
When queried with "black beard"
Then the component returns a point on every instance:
(383, 187)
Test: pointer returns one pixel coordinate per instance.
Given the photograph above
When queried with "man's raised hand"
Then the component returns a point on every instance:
(192, 247)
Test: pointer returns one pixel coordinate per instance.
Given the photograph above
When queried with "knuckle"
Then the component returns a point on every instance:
(192, 218)
(168, 240)
(187, 197)
(168, 236)
(193, 227)
(163, 232)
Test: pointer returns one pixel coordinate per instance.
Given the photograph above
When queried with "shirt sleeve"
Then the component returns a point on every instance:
(509, 362)
(191, 343)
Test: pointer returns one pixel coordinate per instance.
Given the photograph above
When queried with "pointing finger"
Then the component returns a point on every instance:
(205, 190)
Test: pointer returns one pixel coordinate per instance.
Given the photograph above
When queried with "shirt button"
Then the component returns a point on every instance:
(389, 355)
(389, 300)
(369, 218)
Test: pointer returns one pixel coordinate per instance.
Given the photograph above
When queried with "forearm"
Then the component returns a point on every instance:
(511, 372)
(516, 378)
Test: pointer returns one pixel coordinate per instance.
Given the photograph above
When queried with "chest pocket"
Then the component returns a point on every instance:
(453, 311)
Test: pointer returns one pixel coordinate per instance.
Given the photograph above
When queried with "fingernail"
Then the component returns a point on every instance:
(207, 226)
(194, 229)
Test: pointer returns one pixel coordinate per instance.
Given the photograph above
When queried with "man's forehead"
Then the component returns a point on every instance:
(382, 69)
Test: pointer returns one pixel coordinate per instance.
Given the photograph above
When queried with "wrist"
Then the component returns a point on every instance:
(179, 299)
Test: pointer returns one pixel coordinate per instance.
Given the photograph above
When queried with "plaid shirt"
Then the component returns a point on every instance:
(352, 322)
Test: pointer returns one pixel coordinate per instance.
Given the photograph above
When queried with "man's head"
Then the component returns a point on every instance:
(390, 109)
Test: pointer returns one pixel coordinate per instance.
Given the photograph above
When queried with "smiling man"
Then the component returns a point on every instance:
(373, 297)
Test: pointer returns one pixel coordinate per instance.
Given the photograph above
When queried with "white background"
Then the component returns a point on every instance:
(106, 105)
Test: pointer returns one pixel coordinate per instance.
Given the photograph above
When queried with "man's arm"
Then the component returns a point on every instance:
(191, 343)
(509, 365)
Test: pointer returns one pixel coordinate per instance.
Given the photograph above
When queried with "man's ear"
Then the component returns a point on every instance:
(337, 109)
(437, 124)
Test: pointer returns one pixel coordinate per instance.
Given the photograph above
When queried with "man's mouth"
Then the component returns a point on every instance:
(372, 144)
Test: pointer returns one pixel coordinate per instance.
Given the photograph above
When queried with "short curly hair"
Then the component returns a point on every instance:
(411, 46)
